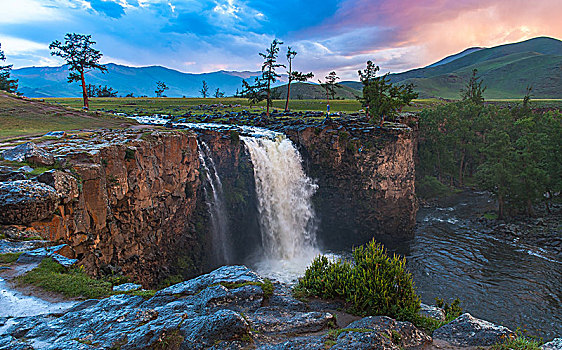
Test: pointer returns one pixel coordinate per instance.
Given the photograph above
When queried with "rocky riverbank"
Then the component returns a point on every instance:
(230, 308)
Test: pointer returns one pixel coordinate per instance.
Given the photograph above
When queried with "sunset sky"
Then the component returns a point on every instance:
(203, 36)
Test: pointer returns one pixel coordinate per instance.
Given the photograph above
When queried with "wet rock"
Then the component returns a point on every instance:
(8, 174)
(403, 334)
(277, 321)
(363, 341)
(24, 201)
(63, 260)
(231, 274)
(57, 134)
(431, 311)
(224, 325)
(36, 255)
(29, 152)
(25, 169)
(65, 184)
(299, 343)
(554, 344)
(467, 330)
(126, 287)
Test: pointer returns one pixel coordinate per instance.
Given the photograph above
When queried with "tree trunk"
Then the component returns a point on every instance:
(268, 93)
(84, 92)
(288, 95)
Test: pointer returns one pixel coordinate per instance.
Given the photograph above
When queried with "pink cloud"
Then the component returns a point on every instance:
(437, 28)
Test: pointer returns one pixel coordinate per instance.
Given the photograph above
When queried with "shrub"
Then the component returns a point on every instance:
(518, 342)
(429, 187)
(374, 283)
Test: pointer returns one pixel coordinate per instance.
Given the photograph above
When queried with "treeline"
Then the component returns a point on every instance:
(515, 153)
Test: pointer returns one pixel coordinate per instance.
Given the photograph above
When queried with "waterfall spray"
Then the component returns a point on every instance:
(284, 192)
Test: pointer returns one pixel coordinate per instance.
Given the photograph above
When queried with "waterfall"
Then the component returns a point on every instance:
(284, 193)
(216, 205)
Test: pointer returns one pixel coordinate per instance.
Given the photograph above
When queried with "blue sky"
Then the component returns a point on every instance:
(204, 36)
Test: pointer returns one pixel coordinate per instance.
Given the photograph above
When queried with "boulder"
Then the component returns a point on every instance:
(467, 330)
(431, 311)
(8, 174)
(403, 334)
(554, 344)
(65, 184)
(29, 152)
(25, 201)
(35, 256)
(270, 320)
(230, 274)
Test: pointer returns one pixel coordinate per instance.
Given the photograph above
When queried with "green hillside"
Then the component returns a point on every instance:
(308, 91)
(506, 70)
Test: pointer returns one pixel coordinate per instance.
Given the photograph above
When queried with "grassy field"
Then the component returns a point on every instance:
(21, 117)
(179, 106)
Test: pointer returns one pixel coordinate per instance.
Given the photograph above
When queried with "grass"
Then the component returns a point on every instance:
(518, 342)
(73, 282)
(19, 117)
(198, 106)
(9, 258)
(266, 286)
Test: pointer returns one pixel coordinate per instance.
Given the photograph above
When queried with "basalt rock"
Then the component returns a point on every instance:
(24, 201)
(467, 330)
(29, 152)
(365, 177)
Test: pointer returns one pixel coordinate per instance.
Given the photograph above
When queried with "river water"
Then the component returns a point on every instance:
(500, 279)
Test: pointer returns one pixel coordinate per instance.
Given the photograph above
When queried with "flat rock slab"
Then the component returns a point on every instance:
(29, 152)
(467, 330)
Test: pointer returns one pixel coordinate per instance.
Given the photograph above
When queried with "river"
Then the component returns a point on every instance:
(504, 280)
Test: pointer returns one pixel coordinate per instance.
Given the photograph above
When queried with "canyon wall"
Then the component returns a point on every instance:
(132, 202)
(366, 178)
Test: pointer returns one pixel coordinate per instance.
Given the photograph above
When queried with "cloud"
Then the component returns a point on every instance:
(108, 8)
(329, 35)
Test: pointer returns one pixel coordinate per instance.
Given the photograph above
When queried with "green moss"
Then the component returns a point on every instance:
(130, 154)
(169, 340)
(9, 258)
(491, 216)
(266, 286)
(71, 282)
(235, 137)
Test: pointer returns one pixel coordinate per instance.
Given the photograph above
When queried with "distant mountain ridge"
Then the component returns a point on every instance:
(507, 71)
(141, 81)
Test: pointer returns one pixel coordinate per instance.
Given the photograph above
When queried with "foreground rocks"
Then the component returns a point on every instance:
(25, 201)
(467, 330)
(229, 308)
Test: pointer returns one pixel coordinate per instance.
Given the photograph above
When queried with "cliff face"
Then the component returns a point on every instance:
(131, 205)
(133, 201)
(366, 181)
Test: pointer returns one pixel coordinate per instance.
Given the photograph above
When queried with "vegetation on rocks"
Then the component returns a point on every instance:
(9, 258)
(518, 342)
(374, 283)
(73, 281)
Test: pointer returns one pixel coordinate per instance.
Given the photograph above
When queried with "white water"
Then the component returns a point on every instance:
(287, 218)
(215, 203)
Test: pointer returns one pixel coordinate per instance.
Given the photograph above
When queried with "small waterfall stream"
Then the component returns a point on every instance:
(216, 204)
(287, 218)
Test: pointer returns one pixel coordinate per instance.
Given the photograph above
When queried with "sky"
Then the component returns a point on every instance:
(204, 36)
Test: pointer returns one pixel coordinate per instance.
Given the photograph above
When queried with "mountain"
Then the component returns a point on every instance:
(506, 70)
(309, 91)
(141, 81)
(455, 56)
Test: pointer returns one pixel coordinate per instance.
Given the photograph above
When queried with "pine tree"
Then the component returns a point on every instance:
(269, 76)
(80, 57)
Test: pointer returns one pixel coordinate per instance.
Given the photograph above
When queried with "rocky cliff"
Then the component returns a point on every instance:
(128, 202)
(366, 180)
(133, 201)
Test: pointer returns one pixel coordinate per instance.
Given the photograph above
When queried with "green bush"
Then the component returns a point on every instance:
(518, 342)
(429, 187)
(374, 283)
